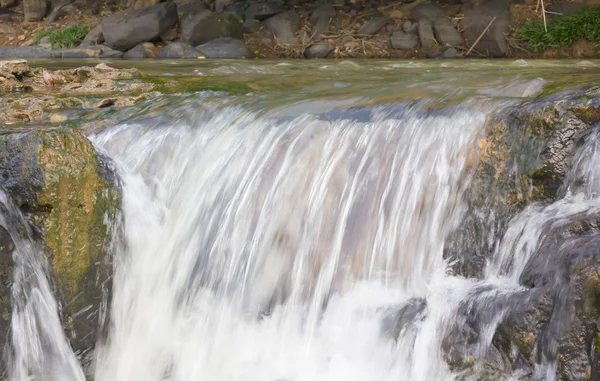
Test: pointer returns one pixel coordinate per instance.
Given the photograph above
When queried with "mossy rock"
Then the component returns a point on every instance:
(197, 29)
(70, 196)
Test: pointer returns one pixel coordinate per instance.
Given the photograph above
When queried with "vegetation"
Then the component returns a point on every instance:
(65, 38)
(584, 25)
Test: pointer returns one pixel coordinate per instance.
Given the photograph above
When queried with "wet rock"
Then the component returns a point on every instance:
(404, 41)
(493, 43)
(320, 19)
(70, 196)
(178, 50)
(125, 30)
(27, 52)
(425, 28)
(7, 247)
(445, 32)
(224, 48)
(320, 50)
(372, 26)
(206, 26)
(413, 311)
(284, 26)
(410, 27)
(35, 10)
(251, 26)
(141, 51)
(94, 37)
(262, 11)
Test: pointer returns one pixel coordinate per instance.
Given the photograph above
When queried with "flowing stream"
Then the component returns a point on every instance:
(275, 244)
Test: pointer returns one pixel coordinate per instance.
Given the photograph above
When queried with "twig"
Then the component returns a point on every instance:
(544, 16)
(480, 36)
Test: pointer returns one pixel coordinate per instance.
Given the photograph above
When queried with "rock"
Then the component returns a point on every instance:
(251, 26)
(70, 195)
(26, 52)
(563, 9)
(372, 26)
(95, 51)
(224, 48)
(7, 247)
(13, 69)
(425, 29)
(220, 5)
(404, 41)
(320, 18)
(125, 30)
(320, 50)
(284, 26)
(169, 35)
(34, 10)
(413, 311)
(445, 32)
(410, 27)
(141, 51)
(206, 26)
(94, 37)
(262, 11)
(493, 43)
(139, 4)
(191, 8)
(177, 50)
(451, 53)
(8, 3)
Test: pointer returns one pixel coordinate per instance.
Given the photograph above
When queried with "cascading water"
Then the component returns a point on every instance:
(269, 247)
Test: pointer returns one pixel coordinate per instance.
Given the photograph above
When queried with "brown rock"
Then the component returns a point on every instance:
(35, 10)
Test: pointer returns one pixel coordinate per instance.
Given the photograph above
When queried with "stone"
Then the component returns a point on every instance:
(224, 48)
(8, 3)
(70, 195)
(220, 5)
(206, 26)
(412, 312)
(13, 68)
(141, 51)
(445, 32)
(251, 26)
(95, 51)
(284, 26)
(493, 43)
(410, 27)
(169, 35)
(320, 19)
(177, 50)
(125, 30)
(428, 11)
(320, 50)
(34, 10)
(372, 26)
(45, 43)
(262, 11)
(27, 52)
(94, 37)
(426, 37)
(140, 4)
(451, 53)
(404, 41)
(191, 8)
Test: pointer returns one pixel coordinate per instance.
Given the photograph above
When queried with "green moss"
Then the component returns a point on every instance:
(584, 25)
(65, 38)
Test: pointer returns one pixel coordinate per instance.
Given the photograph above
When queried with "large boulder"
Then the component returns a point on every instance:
(125, 30)
(493, 43)
(404, 41)
(445, 32)
(320, 50)
(205, 26)
(70, 196)
(94, 37)
(262, 11)
(141, 51)
(177, 50)
(284, 26)
(320, 19)
(35, 10)
(224, 48)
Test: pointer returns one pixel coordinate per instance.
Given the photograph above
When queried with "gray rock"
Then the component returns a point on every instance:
(404, 41)
(428, 11)
(446, 33)
(27, 52)
(451, 53)
(141, 51)
(169, 35)
(178, 50)
(94, 37)
(262, 11)
(224, 48)
(35, 10)
(96, 51)
(191, 8)
(425, 29)
(372, 26)
(410, 27)
(206, 26)
(251, 26)
(320, 18)
(320, 50)
(45, 43)
(493, 43)
(284, 26)
(125, 30)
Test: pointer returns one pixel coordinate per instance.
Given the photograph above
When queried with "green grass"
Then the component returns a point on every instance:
(65, 38)
(584, 25)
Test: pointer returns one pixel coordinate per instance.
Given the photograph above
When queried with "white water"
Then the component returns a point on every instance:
(264, 250)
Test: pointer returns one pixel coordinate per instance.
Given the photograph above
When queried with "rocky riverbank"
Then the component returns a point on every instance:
(224, 29)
